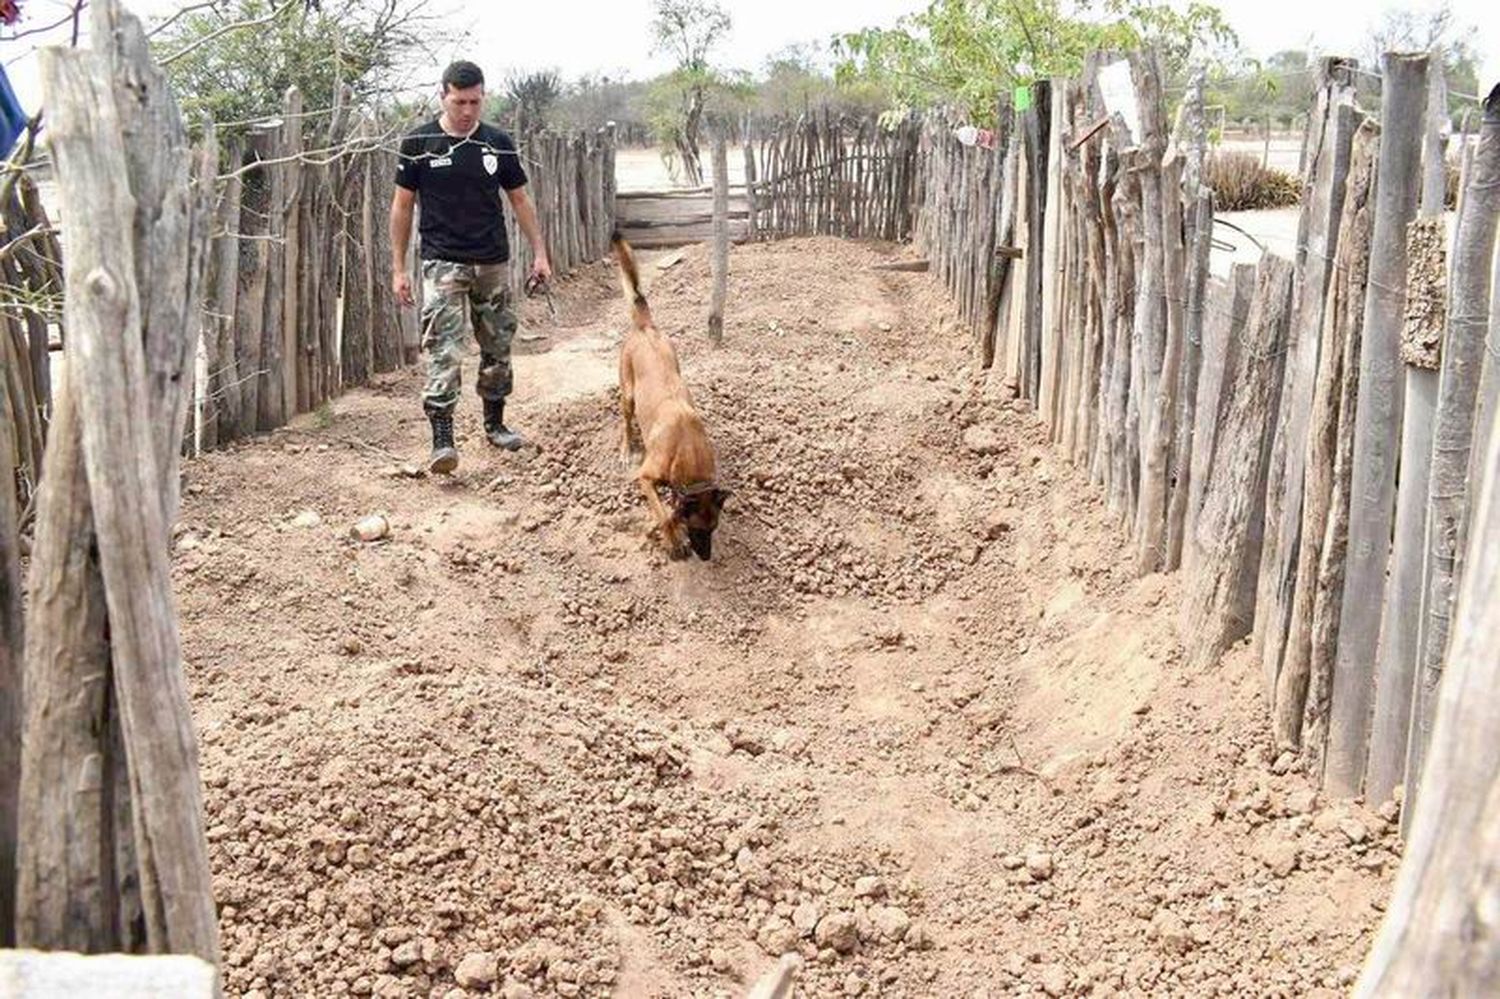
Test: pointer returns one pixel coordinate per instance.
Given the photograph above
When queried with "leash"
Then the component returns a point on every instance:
(535, 285)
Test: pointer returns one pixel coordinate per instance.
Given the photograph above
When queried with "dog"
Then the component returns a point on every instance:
(675, 453)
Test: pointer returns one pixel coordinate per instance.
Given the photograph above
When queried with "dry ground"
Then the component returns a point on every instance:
(916, 719)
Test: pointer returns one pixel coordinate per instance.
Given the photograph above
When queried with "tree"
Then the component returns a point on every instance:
(371, 46)
(1437, 31)
(532, 97)
(964, 52)
(687, 30)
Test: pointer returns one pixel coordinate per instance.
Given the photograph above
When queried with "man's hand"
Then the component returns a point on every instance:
(541, 270)
(401, 285)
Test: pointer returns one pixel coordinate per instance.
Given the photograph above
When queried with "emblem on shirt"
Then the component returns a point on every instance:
(491, 162)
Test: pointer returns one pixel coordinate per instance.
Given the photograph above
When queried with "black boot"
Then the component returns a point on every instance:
(444, 454)
(495, 428)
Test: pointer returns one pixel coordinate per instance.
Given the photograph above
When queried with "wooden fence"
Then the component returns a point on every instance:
(816, 176)
(832, 176)
(1247, 428)
(297, 303)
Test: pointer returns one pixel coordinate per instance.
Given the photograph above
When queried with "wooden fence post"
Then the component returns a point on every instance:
(1151, 320)
(1226, 565)
(1421, 351)
(12, 641)
(1329, 135)
(1400, 624)
(1439, 936)
(1049, 351)
(1306, 661)
(1199, 246)
(137, 212)
(1377, 422)
(1453, 436)
(225, 396)
(720, 254)
(1228, 309)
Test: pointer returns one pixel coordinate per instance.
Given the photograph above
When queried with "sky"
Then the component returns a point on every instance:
(614, 37)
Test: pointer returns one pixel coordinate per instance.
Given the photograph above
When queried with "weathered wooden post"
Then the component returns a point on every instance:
(1219, 602)
(1439, 936)
(1150, 529)
(1199, 245)
(720, 256)
(1453, 436)
(11, 645)
(1325, 502)
(111, 799)
(1377, 422)
(1421, 352)
(1329, 134)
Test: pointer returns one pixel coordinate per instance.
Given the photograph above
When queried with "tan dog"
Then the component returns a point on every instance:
(675, 453)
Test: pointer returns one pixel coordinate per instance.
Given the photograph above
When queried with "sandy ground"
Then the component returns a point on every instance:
(916, 721)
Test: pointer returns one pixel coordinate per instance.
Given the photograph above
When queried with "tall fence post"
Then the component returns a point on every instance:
(138, 216)
(1453, 436)
(1377, 423)
(720, 249)
(1329, 138)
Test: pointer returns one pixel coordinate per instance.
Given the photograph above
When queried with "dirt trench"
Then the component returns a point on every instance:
(916, 720)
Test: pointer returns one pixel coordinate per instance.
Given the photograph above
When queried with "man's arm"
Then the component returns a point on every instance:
(520, 203)
(401, 213)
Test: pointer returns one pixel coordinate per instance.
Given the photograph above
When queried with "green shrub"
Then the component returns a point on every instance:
(1241, 184)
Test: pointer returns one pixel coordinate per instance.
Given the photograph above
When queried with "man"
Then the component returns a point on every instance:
(457, 166)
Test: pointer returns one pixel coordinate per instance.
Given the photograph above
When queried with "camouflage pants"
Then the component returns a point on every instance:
(451, 293)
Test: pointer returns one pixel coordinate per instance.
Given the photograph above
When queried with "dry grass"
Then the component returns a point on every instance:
(1241, 184)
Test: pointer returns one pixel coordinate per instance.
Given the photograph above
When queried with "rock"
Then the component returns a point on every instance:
(1390, 812)
(1280, 855)
(1039, 865)
(307, 519)
(777, 936)
(983, 440)
(997, 524)
(869, 887)
(371, 528)
(918, 937)
(517, 990)
(1285, 763)
(1301, 801)
(1172, 932)
(1354, 830)
(719, 960)
(477, 970)
(838, 931)
(891, 922)
(806, 916)
(854, 985)
(359, 855)
(407, 954)
(1053, 978)
(1327, 821)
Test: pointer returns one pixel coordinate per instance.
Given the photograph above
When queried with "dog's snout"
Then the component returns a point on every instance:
(702, 543)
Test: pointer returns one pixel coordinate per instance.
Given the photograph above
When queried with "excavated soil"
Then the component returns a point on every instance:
(916, 719)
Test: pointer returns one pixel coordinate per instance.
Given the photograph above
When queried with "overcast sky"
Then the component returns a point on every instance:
(613, 37)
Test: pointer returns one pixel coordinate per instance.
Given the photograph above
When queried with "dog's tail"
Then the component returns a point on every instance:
(630, 280)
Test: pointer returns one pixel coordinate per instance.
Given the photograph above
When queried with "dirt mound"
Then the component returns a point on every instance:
(916, 720)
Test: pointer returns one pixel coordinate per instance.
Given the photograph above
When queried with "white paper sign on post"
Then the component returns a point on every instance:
(1118, 91)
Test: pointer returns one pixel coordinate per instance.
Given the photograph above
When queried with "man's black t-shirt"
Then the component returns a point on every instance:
(458, 182)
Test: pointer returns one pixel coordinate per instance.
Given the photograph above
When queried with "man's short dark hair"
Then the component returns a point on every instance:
(462, 75)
